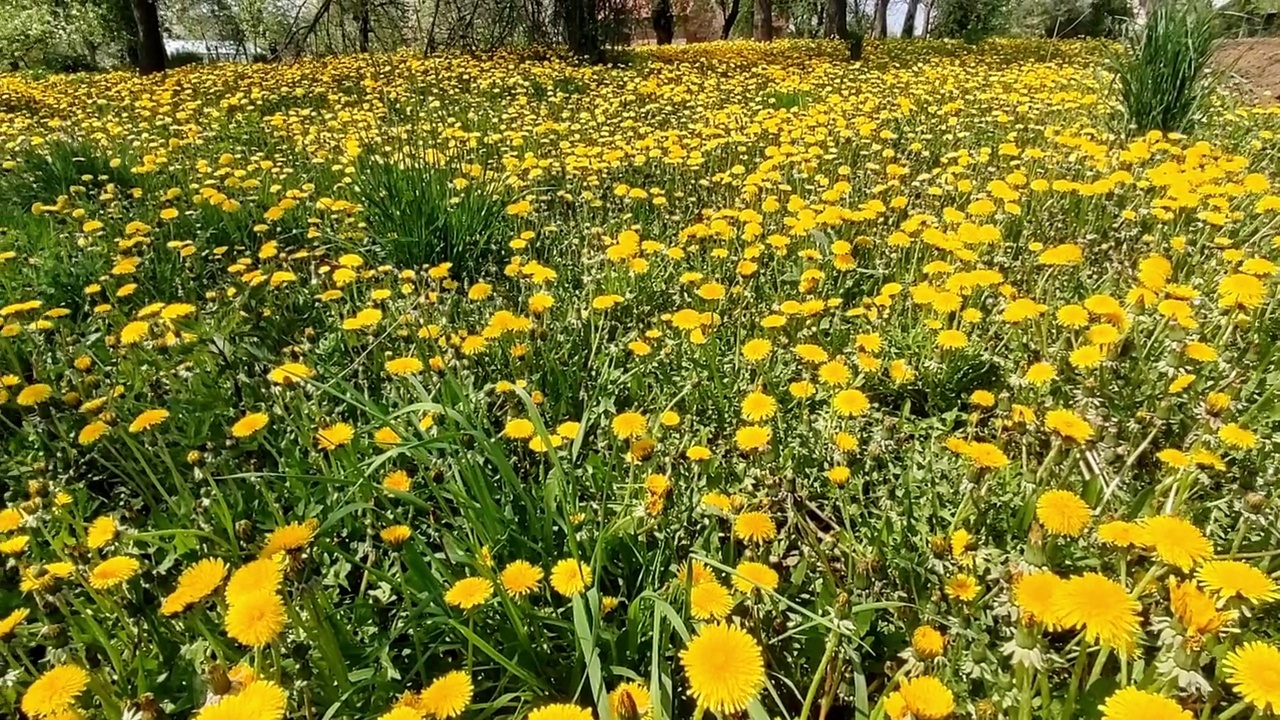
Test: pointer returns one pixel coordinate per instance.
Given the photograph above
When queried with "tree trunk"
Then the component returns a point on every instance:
(909, 20)
(763, 20)
(880, 25)
(122, 22)
(366, 26)
(836, 23)
(151, 55)
(581, 31)
(664, 22)
(730, 18)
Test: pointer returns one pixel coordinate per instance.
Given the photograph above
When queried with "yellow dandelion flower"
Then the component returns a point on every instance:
(710, 601)
(698, 453)
(395, 535)
(927, 642)
(194, 585)
(1062, 512)
(254, 619)
(850, 403)
(1100, 607)
(249, 424)
(751, 438)
(1200, 352)
(10, 520)
(55, 691)
(385, 437)
(1068, 425)
(520, 578)
(962, 587)
(1232, 578)
(148, 419)
(11, 622)
(1120, 533)
(756, 350)
(92, 432)
(751, 576)
(1253, 669)
(926, 698)
(1036, 595)
(570, 577)
(113, 571)
(630, 425)
(14, 545)
(258, 699)
(1133, 704)
(1175, 541)
(560, 711)
(469, 593)
(1241, 292)
(290, 374)
(1234, 436)
(34, 394)
(725, 668)
(1040, 373)
(630, 701)
(447, 696)
(100, 532)
(262, 574)
(952, 340)
(334, 436)
(754, 527)
(1196, 611)
(397, 480)
(293, 536)
(758, 406)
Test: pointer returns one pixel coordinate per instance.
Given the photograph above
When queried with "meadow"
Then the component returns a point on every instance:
(733, 380)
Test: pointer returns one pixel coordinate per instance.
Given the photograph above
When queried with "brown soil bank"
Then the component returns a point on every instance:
(1254, 65)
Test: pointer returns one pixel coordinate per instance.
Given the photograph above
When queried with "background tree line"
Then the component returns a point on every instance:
(89, 34)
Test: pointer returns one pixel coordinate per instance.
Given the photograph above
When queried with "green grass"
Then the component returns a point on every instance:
(1163, 74)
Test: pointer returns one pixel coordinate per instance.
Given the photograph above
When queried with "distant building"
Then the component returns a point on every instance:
(212, 50)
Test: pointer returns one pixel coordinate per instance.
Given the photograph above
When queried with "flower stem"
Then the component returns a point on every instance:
(832, 641)
(1024, 702)
(1068, 708)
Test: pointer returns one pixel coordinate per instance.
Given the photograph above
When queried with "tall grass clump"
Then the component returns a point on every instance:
(1163, 71)
(420, 217)
(424, 205)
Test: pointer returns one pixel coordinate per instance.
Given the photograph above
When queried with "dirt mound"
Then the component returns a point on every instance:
(1253, 64)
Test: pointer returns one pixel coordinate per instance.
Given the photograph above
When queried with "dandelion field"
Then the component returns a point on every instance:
(736, 380)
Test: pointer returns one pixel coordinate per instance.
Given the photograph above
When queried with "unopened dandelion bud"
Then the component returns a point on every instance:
(219, 681)
(1255, 502)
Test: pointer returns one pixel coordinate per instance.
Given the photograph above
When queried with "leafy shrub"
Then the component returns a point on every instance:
(1082, 18)
(1163, 75)
(970, 20)
(63, 36)
(185, 57)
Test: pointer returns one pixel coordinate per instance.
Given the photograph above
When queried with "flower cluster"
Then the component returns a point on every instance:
(736, 381)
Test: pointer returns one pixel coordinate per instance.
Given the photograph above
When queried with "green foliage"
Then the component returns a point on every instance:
(1246, 18)
(1079, 18)
(65, 36)
(1163, 73)
(970, 20)
(186, 57)
(55, 168)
